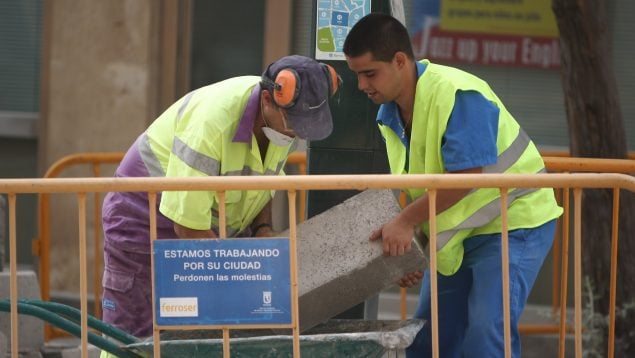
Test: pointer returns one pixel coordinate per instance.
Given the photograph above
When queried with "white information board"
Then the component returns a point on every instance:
(334, 20)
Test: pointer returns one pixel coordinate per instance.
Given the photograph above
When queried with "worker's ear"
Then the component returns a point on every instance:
(266, 98)
(400, 59)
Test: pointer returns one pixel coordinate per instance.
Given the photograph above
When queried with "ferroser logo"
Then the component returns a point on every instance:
(178, 307)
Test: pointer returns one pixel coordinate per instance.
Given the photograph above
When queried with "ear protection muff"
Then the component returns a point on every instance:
(285, 89)
(333, 79)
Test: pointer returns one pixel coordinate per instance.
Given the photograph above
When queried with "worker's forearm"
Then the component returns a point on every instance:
(264, 217)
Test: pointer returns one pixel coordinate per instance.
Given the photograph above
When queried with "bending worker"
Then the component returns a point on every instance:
(437, 119)
(241, 126)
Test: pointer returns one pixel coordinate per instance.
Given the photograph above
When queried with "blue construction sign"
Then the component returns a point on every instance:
(217, 282)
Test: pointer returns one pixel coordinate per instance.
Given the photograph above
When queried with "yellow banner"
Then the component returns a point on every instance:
(502, 17)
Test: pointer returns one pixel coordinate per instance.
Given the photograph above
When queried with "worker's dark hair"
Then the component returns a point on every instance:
(380, 34)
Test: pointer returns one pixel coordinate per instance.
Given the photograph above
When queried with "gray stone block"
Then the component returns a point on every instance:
(338, 267)
(30, 329)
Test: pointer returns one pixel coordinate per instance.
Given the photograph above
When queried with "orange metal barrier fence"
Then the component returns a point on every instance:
(559, 163)
(576, 182)
(41, 245)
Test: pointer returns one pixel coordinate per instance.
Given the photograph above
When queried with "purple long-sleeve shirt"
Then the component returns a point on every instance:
(126, 215)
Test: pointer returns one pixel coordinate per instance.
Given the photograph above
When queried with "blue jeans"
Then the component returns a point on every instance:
(471, 301)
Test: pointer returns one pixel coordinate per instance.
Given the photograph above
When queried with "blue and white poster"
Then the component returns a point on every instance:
(334, 20)
(217, 282)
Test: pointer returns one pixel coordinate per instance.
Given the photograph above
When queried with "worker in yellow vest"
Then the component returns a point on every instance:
(437, 119)
(241, 126)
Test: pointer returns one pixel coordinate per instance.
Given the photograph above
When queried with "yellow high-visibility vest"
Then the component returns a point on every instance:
(479, 212)
(194, 138)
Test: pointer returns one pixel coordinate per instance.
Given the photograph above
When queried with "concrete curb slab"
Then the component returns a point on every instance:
(338, 267)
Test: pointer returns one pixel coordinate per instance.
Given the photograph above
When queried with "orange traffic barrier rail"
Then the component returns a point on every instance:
(565, 153)
(560, 250)
(291, 184)
(556, 161)
(563, 164)
(41, 245)
(559, 162)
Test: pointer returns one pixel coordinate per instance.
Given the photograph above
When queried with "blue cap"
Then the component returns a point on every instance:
(310, 115)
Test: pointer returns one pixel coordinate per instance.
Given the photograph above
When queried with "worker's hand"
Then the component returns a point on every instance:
(396, 236)
(410, 279)
(265, 231)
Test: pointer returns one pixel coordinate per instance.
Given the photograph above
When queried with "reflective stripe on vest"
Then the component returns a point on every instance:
(152, 163)
(484, 215)
(194, 159)
(491, 210)
(211, 166)
(187, 99)
(510, 155)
